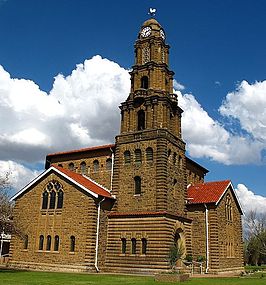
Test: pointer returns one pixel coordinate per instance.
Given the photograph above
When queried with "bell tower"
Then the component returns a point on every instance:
(149, 165)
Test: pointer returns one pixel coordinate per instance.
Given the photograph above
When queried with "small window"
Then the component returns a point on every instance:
(60, 165)
(56, 243)
(174, 158)
(133, 246)
(83, 167)
(127, 159)
(44, 200)
(60, 199)
(144, 82)
(149, 154)
(41, 239)
(137, 180)
(49, 242)
(228, 209)
(26, 242)
(143, 246)
(108, 164)
(71, 166)
(124, 245)
(180, 161)
(52, 199)
(137, 156)
(72, 243)
(141, 120)
(96, 165)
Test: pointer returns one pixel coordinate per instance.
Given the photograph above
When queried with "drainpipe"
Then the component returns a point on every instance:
(97, 235)
(1, 244)
(112, 169)
(207, 238)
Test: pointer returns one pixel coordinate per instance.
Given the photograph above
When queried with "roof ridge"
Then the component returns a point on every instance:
(82, 149)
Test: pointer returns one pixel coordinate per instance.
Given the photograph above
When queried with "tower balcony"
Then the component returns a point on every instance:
(173, 97)
(141, 93)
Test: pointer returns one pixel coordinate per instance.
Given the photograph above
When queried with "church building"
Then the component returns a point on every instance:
(122, 207)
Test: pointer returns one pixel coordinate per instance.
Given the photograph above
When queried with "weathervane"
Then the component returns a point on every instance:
(152, 12)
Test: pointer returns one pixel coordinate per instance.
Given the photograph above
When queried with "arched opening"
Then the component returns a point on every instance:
(127, 159)
(143, 246)
(123, 245)
(52, 199)
(26, 242)
(60, 199)
(71, 166)
(137, 180)
(41, 242)
(56, 243)
(141, 120)
(138, 156)
(133, 246)
(149, 154)
(44, 200)
(108, 164)
(49, 242)
(83, 167)
(96, 165)
(144, 82)
(72, 243)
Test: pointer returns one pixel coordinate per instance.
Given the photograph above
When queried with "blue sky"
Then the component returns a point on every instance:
(215, 45)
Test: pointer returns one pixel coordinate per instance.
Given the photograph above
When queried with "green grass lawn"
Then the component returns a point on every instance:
(44, 278)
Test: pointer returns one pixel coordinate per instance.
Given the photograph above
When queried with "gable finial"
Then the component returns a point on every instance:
(152, 12)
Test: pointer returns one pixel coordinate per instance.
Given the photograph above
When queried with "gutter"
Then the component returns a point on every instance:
(112, 169)
(207, 238)
(97, 235)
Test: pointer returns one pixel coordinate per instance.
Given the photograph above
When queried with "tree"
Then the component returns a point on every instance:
(6, 208)
(255, 238)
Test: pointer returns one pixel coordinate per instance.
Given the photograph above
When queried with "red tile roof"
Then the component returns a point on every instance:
(209, 192)
(107, 146)
(85, 181)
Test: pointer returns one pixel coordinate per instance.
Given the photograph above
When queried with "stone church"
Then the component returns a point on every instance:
(121, 207)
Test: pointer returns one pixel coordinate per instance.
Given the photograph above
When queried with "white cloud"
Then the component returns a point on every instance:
(250, 201)
(248, 105)
(206, 137)
(178, 86)
(82, 107)
(19, 175)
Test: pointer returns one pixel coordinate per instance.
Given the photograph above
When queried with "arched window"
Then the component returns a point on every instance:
(137, 180)
(83, 167)
(127, 155)
(144, 82)
(141, 120)
(72, 243)
(174, 158)
(180, 161)
(137, 156)
(133, 246)
(52, 199)
(169, 154)
(143, 246)
(96, 165)
(56, 243)
(149, 154)
(71, 166)
(41, 239)
(174, 182)
(60, 199)
(108, 164)
(49, 242)
(60, 165)
(26, 242)
(44, 200)
(123, 245)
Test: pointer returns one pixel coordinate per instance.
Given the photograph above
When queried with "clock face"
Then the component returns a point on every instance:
(145, 32)
(162, 34)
